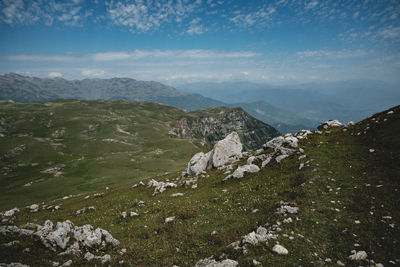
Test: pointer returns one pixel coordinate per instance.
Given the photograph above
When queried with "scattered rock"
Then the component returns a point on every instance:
(330, 123)
(209, 262)
(160, 187)
(280, 250)
(67, 263)
(86, 209)
(89, 256)
(358, 256)
(260, 235)
(177, 195)
(169, 219)
(11, 212)
(133, 214)
(241, 170)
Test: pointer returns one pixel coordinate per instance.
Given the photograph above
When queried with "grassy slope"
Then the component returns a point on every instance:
(343, 175)
(90, 162)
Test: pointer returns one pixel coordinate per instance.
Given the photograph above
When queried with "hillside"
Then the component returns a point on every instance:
(64, 147)
(328, 197)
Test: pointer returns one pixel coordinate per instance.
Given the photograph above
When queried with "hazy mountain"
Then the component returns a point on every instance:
(347, 100)
(29, 89)
(283, 120)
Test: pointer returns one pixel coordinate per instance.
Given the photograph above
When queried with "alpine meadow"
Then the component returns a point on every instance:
(205, 133)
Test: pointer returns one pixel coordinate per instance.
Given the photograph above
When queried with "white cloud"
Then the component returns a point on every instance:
(93, 72)
(195, 29)
(146, 15)
(331, 53)
(390, 32)
(55, 74)
(43, 58)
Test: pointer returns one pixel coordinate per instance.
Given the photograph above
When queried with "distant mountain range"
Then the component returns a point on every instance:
(347, 100)
(288, 109)
(30, 89)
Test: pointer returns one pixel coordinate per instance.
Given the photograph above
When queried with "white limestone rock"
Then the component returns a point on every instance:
(280, 250)
(89, 256)
(169, 219)
(198, 163)
(226, 151)
(209, 262)
(34, 207)
(250, 160)
(11, 212)
(260, 235)
(241, 170)
(177, 195)
(14, 264)
(358, 256)
(160, 187)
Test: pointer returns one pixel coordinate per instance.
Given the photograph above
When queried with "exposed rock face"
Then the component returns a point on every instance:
(226, 151)
(198, 163)
(214, 124)
(213, 263)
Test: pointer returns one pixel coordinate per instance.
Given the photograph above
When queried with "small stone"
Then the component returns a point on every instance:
(280, 250)
(169, 219)
(340, 263)
(357, 256)
(67, 263)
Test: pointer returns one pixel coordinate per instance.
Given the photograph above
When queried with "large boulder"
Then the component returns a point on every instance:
(198, 163)
(226, 151)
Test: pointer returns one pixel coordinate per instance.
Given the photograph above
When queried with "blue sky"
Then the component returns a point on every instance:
(175, 41)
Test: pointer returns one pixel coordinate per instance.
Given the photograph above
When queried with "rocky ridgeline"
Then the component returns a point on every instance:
(217, 123)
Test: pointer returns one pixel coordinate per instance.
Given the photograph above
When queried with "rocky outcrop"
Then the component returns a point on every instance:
(59, 236)
(214, 124)
(198, 163)
(224, 152)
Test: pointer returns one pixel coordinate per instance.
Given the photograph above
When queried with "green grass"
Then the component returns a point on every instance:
(343, 175)
(91, 163)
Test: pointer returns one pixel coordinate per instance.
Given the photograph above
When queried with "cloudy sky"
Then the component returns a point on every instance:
(174, 41)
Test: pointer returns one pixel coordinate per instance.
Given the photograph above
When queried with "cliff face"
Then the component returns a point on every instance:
(214, 124)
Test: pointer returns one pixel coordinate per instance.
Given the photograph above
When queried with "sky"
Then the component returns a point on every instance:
(179, 41)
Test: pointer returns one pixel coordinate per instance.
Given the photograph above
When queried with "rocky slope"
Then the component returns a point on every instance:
(214, 124)
(327, 197)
